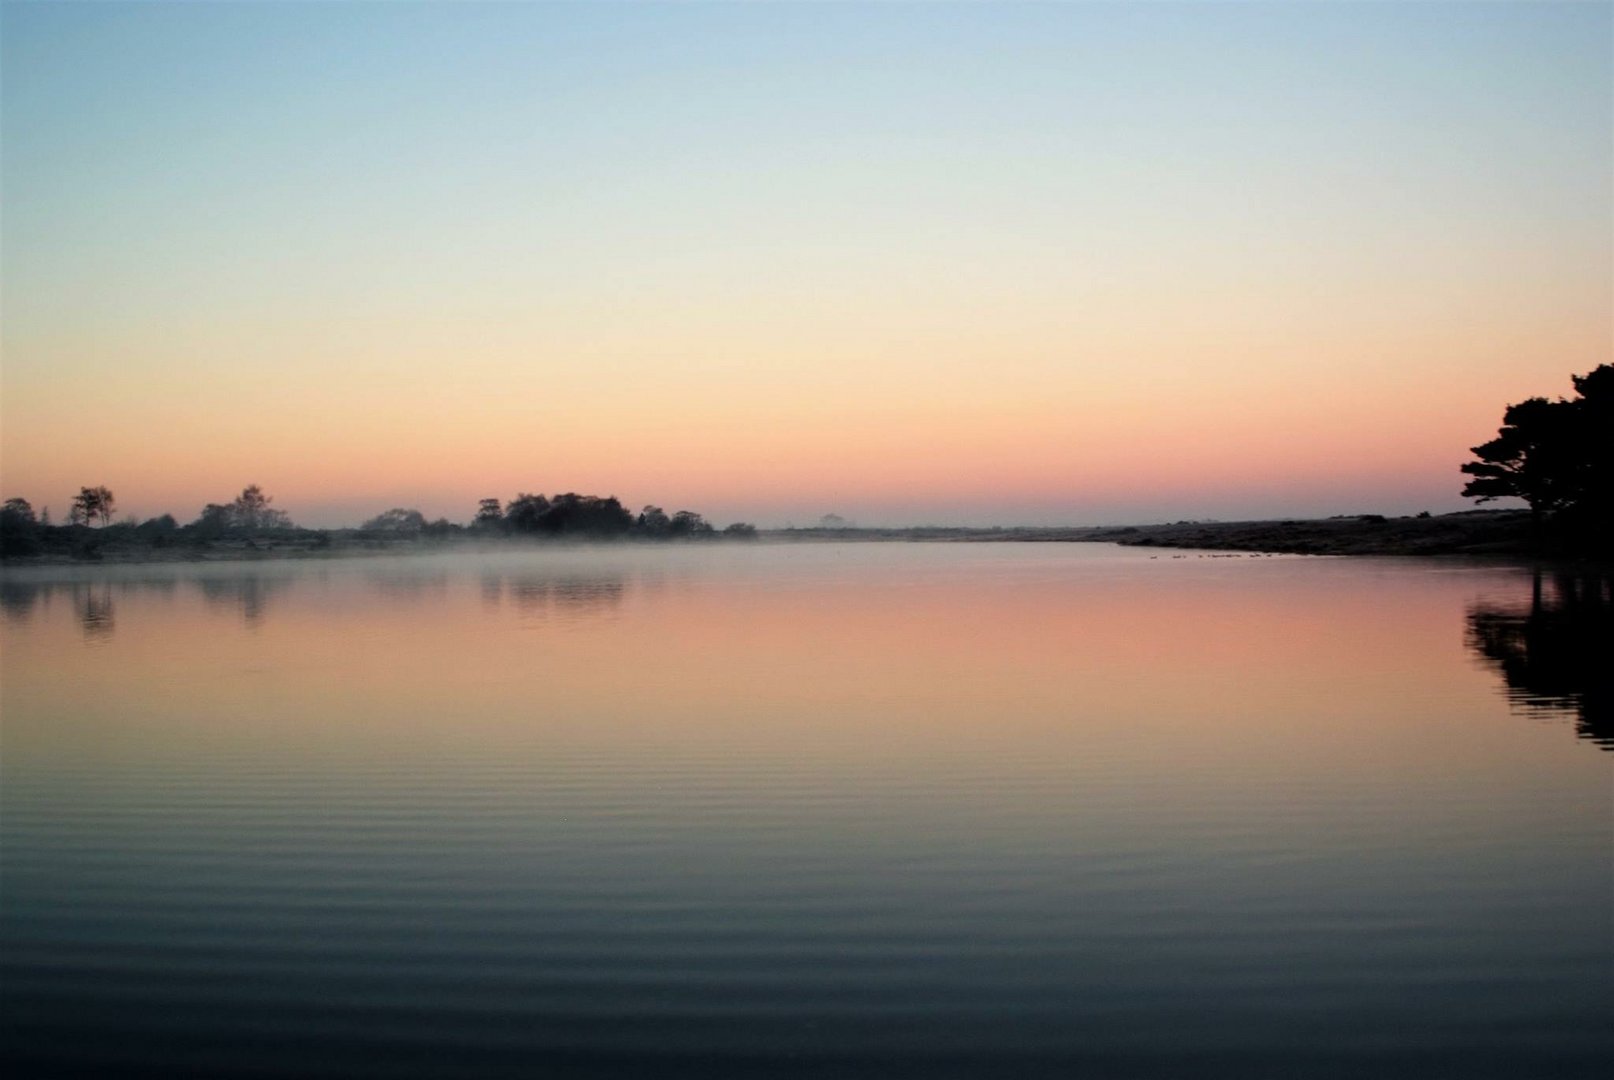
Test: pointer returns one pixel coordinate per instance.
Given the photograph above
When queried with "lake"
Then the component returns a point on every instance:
(791, 810)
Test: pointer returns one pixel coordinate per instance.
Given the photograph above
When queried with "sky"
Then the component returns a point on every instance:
(906, 263)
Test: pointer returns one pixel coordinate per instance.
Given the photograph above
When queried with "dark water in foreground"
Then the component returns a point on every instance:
(777, 811)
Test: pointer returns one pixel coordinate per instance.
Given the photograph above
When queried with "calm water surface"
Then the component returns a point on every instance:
(806, 810)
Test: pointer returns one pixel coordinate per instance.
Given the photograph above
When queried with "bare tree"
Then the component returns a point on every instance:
(250, 506)
(92, 503)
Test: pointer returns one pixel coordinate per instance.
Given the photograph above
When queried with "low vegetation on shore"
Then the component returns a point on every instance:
(1470, 532)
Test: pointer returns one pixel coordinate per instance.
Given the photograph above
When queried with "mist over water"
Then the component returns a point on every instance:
(805, 810)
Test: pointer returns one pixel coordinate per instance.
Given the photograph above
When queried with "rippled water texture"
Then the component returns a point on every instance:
(814, 810)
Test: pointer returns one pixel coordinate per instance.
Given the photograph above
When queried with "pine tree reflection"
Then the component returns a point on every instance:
(1557, 653)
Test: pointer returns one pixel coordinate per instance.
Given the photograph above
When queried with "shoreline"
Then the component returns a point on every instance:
(1470, 532)
(1466, 533)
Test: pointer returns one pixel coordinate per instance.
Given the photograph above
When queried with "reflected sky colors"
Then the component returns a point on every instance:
(864, 810)
(712, 643)
(972, 263)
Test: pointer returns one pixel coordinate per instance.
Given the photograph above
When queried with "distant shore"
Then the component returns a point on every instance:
(1481, 532)
(1471, 532)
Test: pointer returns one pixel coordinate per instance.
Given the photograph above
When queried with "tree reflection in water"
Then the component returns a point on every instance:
(18, 600)
(1557, 653)
(246, 594)
(540, 596)
(92, 602)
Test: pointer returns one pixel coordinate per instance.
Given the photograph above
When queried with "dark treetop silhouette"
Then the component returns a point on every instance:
(91, 503)
(1558, 456)
(249, 512)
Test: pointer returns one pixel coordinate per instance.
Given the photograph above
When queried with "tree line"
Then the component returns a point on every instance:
(250, 517)
(590, 515)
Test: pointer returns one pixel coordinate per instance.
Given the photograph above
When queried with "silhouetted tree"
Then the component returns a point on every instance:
(488, 515)
(572, 514)
(251, 511)
(653, 522)
(688, 523)
(1591, 511)
(1526, 460)
(92, 503)
(19, 531)
(524, 512)
(1557, 456)
(249, 506)
(157, 531)
(215, 518)
(741, 530)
